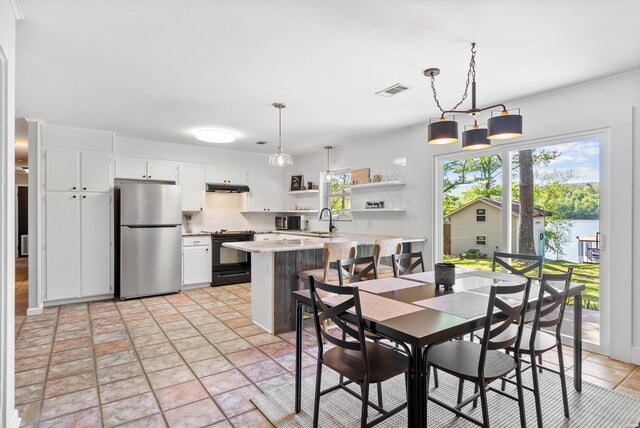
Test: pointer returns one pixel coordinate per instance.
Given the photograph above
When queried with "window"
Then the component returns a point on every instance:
(338, 194)
(481, 240)
(481, 214)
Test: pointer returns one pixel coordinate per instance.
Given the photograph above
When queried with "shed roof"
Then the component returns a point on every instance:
(515, 207)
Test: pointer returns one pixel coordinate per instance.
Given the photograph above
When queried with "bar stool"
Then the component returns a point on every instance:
(383, 248)
(331, 253)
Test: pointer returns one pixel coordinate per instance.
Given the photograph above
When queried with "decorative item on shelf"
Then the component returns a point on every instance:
(445, 275)
(315, 187)
(296, 183)
(374, 205)
(377, 178)
(280, 158)
(189, 226)
(360, 176)
(499, 127)
(328, 176)
(309, 185)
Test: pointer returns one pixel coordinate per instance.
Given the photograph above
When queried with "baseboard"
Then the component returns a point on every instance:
(193, 286)
(263, 327)
(635, 355)
(14, 421)
(35, 311)
(78, 300)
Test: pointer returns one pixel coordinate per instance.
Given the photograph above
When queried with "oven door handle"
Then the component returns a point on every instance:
(222, 275)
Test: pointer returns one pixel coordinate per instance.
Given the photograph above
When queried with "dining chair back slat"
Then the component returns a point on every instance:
(414, 260)
(500, 258)
(347, 274)
(551, 301)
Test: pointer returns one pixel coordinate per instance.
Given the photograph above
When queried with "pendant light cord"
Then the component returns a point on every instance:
(471, 75)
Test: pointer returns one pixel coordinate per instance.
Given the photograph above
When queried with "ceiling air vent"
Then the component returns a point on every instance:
(392, 90)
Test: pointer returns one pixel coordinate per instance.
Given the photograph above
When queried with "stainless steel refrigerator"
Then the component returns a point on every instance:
(148, 239)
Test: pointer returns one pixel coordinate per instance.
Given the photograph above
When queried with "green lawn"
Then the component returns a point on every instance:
(589, 274)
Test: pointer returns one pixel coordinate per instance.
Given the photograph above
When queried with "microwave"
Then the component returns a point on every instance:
(292, 222)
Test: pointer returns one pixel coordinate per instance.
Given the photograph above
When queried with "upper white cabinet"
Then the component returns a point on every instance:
(192, 180)
(96, 170)
(265, 192)
(140, 169)
(74, 171)
(162, 171)
(226, 175)
(135, 169)
(62, 170)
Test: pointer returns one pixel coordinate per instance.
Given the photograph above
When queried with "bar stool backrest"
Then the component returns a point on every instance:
(386, 248)
(334, 251)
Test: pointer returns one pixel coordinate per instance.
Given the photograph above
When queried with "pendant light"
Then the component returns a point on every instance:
(328, 176)
(280, 158)
(499, 127)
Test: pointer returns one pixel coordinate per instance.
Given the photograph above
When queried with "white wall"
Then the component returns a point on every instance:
(9, 12)
(608, 106)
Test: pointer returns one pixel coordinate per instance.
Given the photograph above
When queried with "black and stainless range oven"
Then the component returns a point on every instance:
(230, 266)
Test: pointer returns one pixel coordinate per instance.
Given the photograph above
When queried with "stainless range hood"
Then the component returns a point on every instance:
(226, 188)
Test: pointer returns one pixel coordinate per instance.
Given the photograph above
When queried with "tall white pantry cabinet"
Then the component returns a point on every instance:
(77, 207)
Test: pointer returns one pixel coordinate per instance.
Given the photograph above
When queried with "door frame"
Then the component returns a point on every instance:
(604, 136)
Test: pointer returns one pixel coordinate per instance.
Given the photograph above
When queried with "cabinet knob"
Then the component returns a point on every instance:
(74, 187)
(74, 196)
(149, 177)
(144, 176)
(84, 196)
(84, 188)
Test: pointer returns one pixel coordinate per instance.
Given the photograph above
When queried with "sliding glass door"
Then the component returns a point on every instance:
(531, 198)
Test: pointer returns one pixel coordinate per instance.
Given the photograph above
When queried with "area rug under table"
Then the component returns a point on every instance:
(594, 407)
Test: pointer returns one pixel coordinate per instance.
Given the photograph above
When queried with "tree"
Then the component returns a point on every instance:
(525, 238)
(556, 236)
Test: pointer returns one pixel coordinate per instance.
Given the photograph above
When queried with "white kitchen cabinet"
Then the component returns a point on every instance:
(192, 180)
(131, 168)
(161, 171)
(265, 192)
(62, 170)
(62, 246)
(96, 172)
(226, 175)
(78, 245)
(140, 169)
(196, 260)
(95, 228)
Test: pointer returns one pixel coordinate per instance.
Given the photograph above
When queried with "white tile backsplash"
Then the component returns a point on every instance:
(222, 211)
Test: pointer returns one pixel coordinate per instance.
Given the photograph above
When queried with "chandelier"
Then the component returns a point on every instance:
(499, 127)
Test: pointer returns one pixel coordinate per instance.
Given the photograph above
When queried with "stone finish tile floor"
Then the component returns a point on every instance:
(193, 359)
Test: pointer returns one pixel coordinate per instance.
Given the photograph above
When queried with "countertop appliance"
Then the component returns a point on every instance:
(291, 222)
(230, 266)
(148, 232)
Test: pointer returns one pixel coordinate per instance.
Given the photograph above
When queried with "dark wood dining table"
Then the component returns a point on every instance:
(428, 326)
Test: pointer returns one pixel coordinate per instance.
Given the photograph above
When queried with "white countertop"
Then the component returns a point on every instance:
(309, 243)
(195, 233)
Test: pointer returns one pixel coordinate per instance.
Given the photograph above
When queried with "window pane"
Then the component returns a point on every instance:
(339, 196)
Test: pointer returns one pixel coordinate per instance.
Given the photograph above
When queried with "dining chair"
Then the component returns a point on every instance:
(361, 361)
(384, 248)
(411, 262)
(532, 262)
(347, 269)
(331, 253)
(549, 313)
(483, 363)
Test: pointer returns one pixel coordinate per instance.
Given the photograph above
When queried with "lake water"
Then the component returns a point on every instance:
(578, 228)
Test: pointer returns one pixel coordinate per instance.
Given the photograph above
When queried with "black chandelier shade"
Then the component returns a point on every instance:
(504, 126)
(475, 138)
(443, 132)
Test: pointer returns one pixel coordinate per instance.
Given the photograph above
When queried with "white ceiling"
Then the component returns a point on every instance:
(161, 69)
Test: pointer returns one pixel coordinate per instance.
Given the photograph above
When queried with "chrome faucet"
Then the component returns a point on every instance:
(331, 226)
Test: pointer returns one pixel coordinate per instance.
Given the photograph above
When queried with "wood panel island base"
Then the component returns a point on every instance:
(274, 268)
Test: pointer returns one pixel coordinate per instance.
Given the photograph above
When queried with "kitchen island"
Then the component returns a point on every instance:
(275, 264)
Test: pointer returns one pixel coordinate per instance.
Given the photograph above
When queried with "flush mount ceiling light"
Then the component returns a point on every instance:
(280, 158)
(499, 127)
(218, 136)
(328, 176)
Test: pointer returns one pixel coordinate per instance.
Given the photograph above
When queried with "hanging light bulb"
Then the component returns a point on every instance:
(280, 158)
(328, 176)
